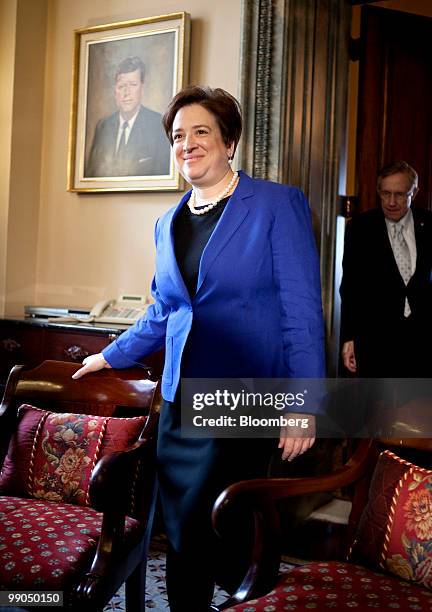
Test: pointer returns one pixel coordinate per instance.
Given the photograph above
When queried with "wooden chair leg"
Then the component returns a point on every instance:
(135, 588)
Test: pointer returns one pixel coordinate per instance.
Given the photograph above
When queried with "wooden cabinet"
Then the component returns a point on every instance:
(19, 345)
(70, 345)
(31, 341)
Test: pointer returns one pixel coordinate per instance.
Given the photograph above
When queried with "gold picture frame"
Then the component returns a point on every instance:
(124, 75)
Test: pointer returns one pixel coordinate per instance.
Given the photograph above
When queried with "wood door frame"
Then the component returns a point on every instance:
(378, 142)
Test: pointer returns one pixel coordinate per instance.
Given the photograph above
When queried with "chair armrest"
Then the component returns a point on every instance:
(259, 498)
(8, 415)
(116, 470)
(115, 473)
(6, 405)
(111, 484)
(262, 491)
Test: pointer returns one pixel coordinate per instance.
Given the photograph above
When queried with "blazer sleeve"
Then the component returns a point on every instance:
(296, 269)
(146, 336)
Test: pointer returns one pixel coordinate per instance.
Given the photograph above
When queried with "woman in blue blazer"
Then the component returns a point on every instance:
(237, 294)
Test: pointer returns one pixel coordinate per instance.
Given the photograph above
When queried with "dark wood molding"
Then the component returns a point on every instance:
(394, 120)
(354, 49)
(357, 2)
(293, 90)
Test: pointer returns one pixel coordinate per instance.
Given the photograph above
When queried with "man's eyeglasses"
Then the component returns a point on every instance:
(399, 196)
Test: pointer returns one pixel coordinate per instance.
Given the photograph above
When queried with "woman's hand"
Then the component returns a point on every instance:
(293, 440)
(92, 363)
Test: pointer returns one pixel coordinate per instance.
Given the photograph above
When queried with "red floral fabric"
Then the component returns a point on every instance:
(339, 586)
(51, 456)
(369, 541)
(64, 456)
(42, 542)
(407, 548)
(395, 529)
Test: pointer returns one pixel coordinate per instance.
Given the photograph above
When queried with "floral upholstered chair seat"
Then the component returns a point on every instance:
(47, 544)
(339, 586)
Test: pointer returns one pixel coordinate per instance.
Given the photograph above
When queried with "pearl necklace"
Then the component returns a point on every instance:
(193, 198)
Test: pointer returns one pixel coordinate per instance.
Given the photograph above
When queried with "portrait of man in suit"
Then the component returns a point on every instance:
(386, 287)
(131, 141)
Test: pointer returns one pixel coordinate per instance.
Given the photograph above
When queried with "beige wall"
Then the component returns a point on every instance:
(22, 147)
(8, 10)
(92, 246)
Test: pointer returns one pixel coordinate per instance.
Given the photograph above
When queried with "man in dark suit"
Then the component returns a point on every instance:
(386, 287)
(131, 142)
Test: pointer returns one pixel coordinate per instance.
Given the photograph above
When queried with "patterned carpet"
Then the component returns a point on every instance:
(156, 598)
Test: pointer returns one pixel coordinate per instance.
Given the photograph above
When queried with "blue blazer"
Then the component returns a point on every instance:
(257, 309)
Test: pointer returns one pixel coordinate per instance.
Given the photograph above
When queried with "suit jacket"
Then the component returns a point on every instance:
(147, 151)
(257, 309)
(372, 290)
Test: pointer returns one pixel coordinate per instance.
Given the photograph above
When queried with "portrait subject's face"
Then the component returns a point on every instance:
(396, 195)
(128, 93)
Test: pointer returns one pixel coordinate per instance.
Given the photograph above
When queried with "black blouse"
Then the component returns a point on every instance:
(191, 234)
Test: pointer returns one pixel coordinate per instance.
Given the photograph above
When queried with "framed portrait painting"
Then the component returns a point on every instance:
(124, 75)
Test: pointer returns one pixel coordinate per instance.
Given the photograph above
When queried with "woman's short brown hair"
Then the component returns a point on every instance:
(218, 102)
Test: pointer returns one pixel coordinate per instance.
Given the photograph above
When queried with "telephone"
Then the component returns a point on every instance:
(127, 309)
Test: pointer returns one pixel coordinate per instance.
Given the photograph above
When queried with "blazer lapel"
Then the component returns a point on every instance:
(232, 217)
(422, 245)
(138, 139)
(170, 256)
(388, 252)
(111, 142)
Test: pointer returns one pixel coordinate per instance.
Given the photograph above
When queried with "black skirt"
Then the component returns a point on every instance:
(192, 472)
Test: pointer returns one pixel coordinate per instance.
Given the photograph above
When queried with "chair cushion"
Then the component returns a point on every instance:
(46, 543)
(51, 455)
(395, 530)
(339, 586)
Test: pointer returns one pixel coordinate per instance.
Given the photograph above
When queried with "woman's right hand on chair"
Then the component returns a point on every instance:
(92, 363)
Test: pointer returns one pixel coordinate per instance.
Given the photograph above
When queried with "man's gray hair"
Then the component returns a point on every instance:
(396, 168)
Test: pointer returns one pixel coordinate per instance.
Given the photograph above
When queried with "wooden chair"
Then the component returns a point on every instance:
(378, 479)
(59, 531)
